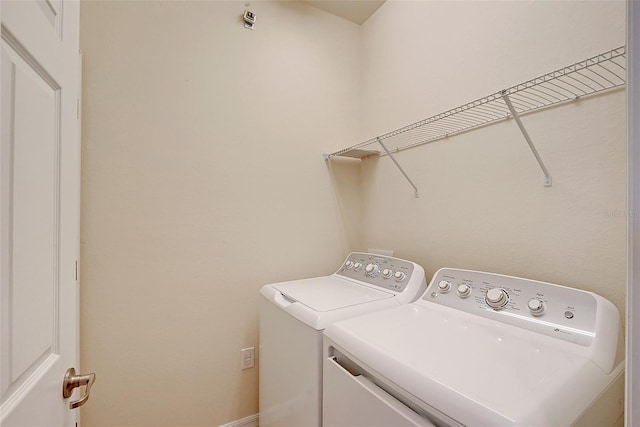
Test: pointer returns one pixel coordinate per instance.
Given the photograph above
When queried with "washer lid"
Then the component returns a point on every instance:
(475, 370)
(323, 294)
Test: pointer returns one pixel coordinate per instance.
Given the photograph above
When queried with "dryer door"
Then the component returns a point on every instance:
(355, 401)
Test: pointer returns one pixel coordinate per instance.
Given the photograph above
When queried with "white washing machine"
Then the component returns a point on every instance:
(293, 316)
(478, 349)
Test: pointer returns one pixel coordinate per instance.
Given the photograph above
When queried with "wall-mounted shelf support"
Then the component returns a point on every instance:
(398, 165)
(514, 114)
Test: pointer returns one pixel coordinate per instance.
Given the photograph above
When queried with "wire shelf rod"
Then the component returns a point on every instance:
(583, 83)
(551, 91)
(461, 121)
(540, 94)
(492, 108)
(445, 136)
(550, 88)
(562, 89)
(601, 75)
(523, 106)
(565, 80)
(593, 80)
(479, 113)
(528, 101)
(622, 67)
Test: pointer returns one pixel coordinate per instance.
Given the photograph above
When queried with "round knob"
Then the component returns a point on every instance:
(387, 273)
(496, 298)
(464, 290)
(357, 266)
(372, 270)
(536, 307)
(348, 264)
(444, 286)
(399, 276)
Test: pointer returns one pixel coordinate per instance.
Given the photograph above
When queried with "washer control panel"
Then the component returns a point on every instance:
(383, 271)
(565, 313)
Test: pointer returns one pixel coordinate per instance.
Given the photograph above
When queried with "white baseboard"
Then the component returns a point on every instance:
(250, 421)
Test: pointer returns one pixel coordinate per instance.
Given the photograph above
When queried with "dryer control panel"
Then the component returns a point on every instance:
(558, 311)
(386, 272)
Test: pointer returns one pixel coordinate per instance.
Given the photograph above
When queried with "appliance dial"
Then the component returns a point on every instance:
(387, 273)
(444, 286)
(372, 270)
(496, 298)
(357, 266)
(399, 276)
(536, 307)
(348, 265)
(464, 290)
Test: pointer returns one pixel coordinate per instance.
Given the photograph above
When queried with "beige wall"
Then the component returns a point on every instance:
(203, 180)
(202, 175)
(482, 202)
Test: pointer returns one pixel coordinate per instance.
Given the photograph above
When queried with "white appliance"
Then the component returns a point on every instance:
(478, 349)
(294, 314)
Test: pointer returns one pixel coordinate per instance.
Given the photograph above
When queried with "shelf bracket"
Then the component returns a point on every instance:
(397, 164)
(547, 176)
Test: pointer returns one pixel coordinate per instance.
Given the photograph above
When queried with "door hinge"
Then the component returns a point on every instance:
(76, 270)
(78, 108)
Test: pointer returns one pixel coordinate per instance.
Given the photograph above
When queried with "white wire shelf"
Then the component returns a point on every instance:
(603, 72)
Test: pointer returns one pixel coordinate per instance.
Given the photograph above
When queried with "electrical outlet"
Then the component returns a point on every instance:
(247, 358)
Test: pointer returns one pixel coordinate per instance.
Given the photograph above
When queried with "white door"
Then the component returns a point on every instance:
(39, 214)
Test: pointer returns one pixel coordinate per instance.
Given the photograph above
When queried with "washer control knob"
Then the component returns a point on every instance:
(444, 286)
(357, 266)
(399, 276)
(496, 298)
(372, 270)
(464, 290)
(387, 273)
(348, 265)
(536, 307)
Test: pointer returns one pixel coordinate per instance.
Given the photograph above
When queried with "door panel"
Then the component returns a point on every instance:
(34, 217)
(51, 10)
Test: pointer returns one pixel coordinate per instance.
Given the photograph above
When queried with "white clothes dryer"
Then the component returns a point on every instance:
(478, 349)
(293, 316)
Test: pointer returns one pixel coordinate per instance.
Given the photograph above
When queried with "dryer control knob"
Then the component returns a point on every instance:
(348, 264)
(464, 290)
(387, 273)
(444, 286)
(496, 298)
(357, 266)
(372, 270)
(399, 276)
(536, 307)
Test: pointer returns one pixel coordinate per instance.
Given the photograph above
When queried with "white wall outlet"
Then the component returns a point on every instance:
(247, 358)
